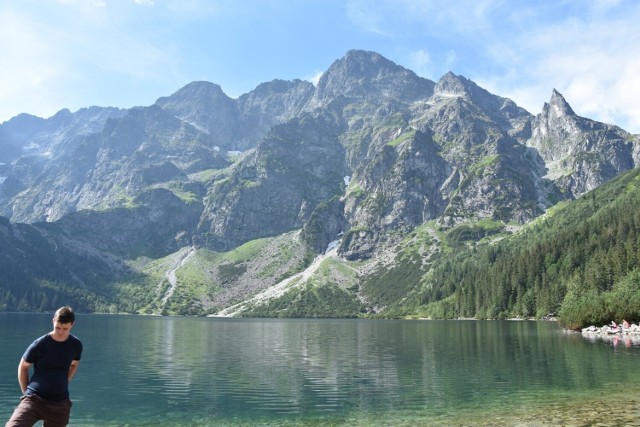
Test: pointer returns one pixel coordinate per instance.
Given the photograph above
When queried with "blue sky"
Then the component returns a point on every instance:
(123, 53)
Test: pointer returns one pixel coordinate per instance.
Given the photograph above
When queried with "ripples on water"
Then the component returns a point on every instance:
(142, 371)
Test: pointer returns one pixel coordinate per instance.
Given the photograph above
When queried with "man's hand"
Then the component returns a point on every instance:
(72, 369)
(23, 374)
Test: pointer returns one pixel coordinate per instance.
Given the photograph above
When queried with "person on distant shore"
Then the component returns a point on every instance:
(55, 358)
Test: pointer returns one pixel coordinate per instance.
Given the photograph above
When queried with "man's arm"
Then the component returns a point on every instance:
(72, 369)
(23, 374)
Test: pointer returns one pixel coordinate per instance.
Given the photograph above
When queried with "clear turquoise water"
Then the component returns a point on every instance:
(175, 371)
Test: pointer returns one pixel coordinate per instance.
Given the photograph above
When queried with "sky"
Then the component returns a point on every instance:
(72, 54)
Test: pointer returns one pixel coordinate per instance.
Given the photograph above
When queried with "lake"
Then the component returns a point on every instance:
(178, 371)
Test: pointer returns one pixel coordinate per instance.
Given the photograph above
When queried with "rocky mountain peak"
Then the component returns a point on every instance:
(454, 89)
(206, 107)
(194, 91)
(451, 85)
(557, 106)
(366, 75)
(360, 63)
(276, 87)
(284, 98)
(580, 154)
(557, 113)
(195, 101)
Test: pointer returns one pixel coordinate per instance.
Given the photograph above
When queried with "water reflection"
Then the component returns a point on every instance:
(188, 371)
(626, 340)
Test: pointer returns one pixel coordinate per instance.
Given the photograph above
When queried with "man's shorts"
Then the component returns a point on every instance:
(32, 409)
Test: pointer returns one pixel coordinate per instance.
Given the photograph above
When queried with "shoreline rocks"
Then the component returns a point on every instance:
(629, 335)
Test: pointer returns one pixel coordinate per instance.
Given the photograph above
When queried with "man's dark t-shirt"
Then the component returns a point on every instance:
(51, 361)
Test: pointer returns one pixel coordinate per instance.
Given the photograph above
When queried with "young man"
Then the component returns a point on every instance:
(55, 358)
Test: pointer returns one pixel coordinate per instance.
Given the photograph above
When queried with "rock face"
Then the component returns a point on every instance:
(372, 151)
(580, 154)
(277, 186)
(237, 124)
(205, 107)
(268, 105)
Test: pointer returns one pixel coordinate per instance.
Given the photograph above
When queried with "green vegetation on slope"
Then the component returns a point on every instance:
(330, 292)
(581, 262)
(329, 301)
(39, 272)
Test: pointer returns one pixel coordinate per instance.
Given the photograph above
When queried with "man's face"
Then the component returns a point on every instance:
(61, 330)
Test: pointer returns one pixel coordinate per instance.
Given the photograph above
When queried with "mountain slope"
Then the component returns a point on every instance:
(388, 168)
(580, 260)
(42, 269)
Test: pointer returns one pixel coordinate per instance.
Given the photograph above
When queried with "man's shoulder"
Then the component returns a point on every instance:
(36, 347)
(40, 339)
(75, 341)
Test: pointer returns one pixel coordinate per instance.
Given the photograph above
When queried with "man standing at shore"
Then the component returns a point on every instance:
(55, 358)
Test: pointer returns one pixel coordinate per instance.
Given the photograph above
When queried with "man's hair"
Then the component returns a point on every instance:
(64, 315)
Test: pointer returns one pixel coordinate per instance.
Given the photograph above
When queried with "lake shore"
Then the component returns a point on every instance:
(615, 408)
(620, 408)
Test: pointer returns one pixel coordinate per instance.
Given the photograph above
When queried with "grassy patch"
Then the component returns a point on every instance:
(310, 302)
(402, 138)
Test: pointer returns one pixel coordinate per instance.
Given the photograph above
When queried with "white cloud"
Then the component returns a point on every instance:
(54, 58)
(30, 68)
(602, 6)
(594, 61)
(420, 63)
(85, 4)
(315, 78)
(58, 52)
(428, 17)
(366, 16)
(463, 17)
(196, 10)
(589, 51)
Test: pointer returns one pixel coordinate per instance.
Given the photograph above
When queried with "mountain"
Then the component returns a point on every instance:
(590, 153)
(341, 196)
(237, 124)
(363, 75)
(578, 260)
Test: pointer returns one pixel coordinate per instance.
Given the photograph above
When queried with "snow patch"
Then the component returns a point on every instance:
(347, 180)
